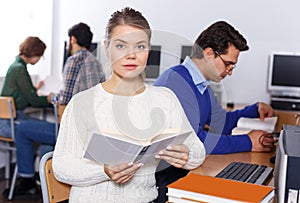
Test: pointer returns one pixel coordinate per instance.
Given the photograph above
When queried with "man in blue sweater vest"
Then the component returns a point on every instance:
(214, 56)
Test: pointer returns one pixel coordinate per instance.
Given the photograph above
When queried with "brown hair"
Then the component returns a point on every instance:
(219, 36)
(127, 16)
(32, 46)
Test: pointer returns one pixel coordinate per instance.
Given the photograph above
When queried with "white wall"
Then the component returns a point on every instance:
(270, 25)
(20, 19)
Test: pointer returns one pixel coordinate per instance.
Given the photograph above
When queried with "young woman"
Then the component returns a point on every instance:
(126, 105)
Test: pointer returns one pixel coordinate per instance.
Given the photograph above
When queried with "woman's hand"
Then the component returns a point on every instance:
(49, 97)
(176, 155)
(123, 172)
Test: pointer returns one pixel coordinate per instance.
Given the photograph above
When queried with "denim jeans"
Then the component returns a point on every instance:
(44, 148)
(27, 133)
(5, 127)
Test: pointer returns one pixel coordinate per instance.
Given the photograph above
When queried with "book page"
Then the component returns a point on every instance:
(165, 134)
(245, 125)
(111, 151)
(120, 136)
(240, 131)
(148, 153)
(162, 135)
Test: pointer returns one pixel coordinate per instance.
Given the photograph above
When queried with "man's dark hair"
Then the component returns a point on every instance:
(219, 36)
(82, 33)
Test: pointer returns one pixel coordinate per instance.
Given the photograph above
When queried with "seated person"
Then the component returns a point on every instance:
(82, 71)
(18, 84)
(125, 104)
(214, 56)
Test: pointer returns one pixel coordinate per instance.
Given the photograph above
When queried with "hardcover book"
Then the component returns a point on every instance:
(199, 188)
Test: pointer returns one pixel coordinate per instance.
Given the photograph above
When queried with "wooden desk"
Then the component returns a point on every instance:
(213, 164)
(285, 117)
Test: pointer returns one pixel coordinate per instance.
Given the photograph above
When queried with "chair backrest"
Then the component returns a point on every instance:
(8, 111)
(52, 189)
(7, 107)
(58, 112)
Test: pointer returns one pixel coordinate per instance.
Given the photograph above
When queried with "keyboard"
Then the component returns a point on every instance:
(246, 172)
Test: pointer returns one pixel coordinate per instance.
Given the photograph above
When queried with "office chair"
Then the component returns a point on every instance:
(52, 189)
(8, 111)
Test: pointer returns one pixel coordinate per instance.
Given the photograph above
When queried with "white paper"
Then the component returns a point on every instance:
(51, 85)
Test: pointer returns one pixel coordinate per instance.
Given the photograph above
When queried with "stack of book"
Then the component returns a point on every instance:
(198, 188)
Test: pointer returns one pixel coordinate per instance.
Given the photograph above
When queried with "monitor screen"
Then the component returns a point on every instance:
(152, 69)
(284, 72)
(185, 51)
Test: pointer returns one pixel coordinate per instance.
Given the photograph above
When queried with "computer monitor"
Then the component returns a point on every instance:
(284, 74)
(94, 48)
(152, 69)
(185, 51)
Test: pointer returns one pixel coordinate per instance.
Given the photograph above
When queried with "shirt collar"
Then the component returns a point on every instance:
(20, 60)
(197, 77)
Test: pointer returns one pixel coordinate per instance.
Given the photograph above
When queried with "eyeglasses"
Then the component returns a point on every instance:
(228, 64)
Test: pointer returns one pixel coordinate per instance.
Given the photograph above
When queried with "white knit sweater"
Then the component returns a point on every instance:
(95, 110)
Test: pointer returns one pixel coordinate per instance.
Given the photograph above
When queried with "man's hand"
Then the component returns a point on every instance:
(265, 111)
(261, 141)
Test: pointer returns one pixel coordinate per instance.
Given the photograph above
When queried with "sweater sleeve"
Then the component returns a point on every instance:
(28, 91)
(196, 153)
(68, 165)
(218, 140)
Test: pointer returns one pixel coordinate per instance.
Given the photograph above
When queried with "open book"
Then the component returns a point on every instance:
(113, 150)
(245, 125)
